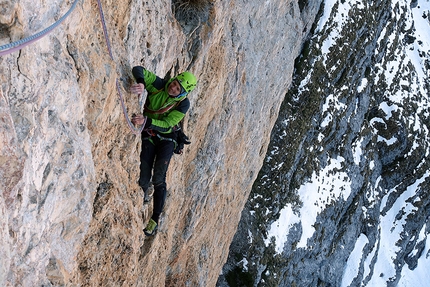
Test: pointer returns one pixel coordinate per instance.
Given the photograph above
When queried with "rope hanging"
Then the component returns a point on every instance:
(134, 130)
(18, 45)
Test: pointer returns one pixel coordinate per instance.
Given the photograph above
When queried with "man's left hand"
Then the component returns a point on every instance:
(138, 119)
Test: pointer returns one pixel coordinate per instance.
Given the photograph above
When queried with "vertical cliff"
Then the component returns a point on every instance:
(71, 210)
(342, 198)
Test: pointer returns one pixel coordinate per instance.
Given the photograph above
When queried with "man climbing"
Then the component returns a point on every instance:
(165, 107)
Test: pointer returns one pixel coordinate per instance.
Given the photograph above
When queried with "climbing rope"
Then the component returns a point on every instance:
(134, 130)
(18, 45)
(102, 19)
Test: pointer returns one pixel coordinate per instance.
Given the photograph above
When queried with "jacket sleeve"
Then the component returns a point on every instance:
(172, 118)
(152, 82)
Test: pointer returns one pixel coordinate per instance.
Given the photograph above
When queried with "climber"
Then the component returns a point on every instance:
(165, 107)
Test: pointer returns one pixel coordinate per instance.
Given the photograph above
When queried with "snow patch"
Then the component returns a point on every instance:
(280, 228)
(353, 264)
(324, 188)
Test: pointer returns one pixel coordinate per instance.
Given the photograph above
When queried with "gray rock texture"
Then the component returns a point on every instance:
(348, 159)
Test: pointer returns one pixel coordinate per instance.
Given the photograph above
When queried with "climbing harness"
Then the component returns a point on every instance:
(18, 45)
(152, 134)
(179, 142)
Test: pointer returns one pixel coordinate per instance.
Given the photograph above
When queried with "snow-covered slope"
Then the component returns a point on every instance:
(343, 197)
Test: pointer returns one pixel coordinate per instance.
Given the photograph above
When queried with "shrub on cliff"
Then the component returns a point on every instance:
(191, 10)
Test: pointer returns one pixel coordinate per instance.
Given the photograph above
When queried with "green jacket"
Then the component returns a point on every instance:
(163, 112)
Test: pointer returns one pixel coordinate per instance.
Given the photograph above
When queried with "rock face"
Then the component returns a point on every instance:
(342, 198)
(72, 213)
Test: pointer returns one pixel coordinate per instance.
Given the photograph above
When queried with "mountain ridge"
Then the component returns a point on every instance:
(345, 178)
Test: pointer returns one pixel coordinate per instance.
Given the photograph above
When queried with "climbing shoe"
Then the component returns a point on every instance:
(151, 228)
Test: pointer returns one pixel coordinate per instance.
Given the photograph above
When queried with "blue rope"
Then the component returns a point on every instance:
(24, 42)
(11, 47)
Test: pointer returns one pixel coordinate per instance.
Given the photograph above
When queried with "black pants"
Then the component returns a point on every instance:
(154, 160)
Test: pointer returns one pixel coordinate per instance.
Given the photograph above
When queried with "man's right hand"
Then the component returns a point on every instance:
(137, 88)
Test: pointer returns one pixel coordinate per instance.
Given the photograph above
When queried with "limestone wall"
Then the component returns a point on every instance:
(71, 210)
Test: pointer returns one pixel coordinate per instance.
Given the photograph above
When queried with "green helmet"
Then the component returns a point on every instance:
(187, 80)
